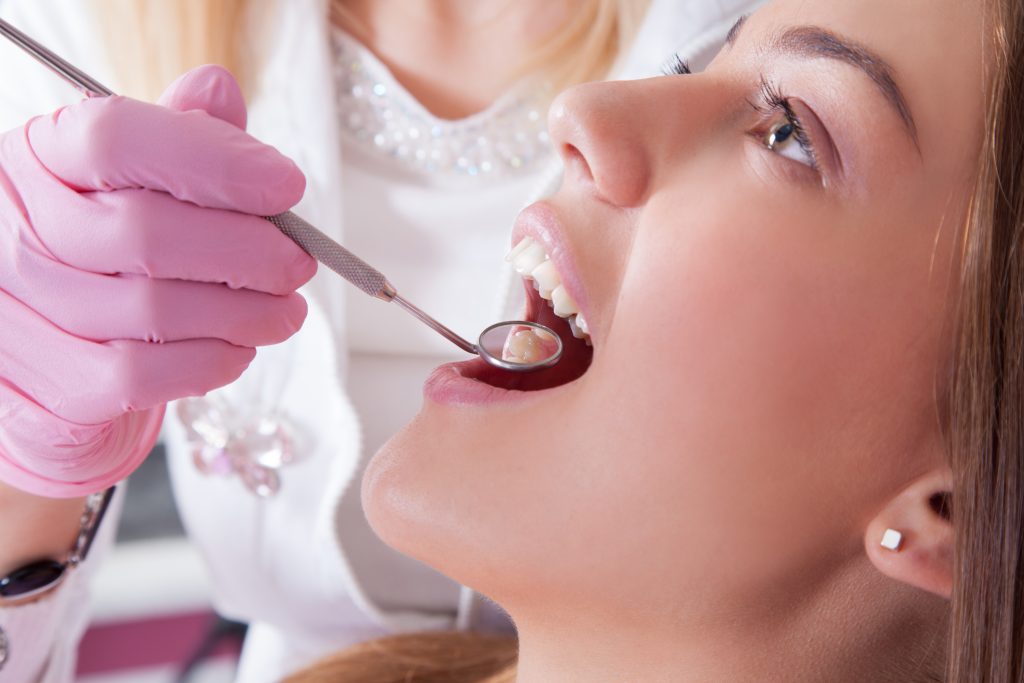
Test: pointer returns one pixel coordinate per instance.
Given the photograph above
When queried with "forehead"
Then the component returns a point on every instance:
(934, 47)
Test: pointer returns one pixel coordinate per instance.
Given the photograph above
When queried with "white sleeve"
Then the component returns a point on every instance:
(41, 638)
(68, 28)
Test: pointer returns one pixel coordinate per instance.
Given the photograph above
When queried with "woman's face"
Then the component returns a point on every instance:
(770, 317)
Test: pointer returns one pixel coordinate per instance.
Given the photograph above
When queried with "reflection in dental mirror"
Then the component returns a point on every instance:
(520, 346)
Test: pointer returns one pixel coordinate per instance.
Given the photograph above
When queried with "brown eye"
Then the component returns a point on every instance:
(785, 138)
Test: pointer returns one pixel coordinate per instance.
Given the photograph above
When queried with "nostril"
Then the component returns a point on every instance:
(576, 162)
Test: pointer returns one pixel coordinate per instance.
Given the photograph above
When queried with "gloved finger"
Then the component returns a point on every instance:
(116, 143)
(91, 383)
(150, 233)
(107, 307)
(78, 460)
(210, 88)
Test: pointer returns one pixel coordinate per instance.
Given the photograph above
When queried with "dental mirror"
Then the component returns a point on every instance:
(520, 346)
(517, 346)
(513, 345)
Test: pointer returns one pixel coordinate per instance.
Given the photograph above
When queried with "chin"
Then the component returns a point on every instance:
(440, 491)
(388, 498)
(411, 495)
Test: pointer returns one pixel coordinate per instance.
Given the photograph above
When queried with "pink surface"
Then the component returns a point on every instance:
(134, 269)
(147, 643)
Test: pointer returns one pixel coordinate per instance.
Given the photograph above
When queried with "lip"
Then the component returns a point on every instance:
(541, 222)
(455, 384)
(466, 383)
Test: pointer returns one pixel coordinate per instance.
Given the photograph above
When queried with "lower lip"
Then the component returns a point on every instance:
(448, 385)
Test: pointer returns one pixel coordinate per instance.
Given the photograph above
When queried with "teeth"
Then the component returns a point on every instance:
(563, 304)
(582, 324)
(518, 249)
(528, 346)
(575, 328)
(547, 278)
(529, 259)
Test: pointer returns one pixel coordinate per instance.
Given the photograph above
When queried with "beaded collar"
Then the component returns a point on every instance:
(508, 138)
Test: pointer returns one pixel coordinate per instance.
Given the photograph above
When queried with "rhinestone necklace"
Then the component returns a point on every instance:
(508, 138)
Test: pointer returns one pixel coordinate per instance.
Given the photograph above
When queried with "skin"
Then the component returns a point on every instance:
(456, 57)
(765, 394)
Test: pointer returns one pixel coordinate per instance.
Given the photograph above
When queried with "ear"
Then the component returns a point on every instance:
(920, 514)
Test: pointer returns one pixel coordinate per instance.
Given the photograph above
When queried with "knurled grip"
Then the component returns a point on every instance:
(334, 256)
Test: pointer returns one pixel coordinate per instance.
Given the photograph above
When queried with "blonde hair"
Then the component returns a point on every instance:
(153, 41)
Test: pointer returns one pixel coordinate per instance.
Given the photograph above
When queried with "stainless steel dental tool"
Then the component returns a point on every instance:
(518, 346)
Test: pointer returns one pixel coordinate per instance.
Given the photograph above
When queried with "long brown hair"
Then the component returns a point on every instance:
(444, 657)
(986, 642)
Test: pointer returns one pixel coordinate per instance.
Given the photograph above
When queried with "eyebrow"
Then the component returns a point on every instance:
(730, 37)
(812, 42)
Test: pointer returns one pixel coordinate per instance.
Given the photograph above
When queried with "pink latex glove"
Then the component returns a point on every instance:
(134, 269)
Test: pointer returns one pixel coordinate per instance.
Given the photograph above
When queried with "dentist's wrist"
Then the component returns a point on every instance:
(35, 526)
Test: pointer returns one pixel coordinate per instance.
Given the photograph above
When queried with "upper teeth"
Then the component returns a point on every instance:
(531, 261)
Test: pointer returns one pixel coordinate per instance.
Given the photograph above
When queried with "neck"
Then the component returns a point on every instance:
(455, 56)
(881, 632)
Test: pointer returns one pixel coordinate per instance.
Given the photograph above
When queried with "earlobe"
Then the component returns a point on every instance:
(911, 538)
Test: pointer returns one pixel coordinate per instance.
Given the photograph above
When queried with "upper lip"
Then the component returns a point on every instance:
(541, 222)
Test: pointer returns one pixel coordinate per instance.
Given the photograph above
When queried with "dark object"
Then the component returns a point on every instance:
(222, 630)
(43, 575)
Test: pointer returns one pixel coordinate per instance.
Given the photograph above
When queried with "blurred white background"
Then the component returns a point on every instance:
(152, 619)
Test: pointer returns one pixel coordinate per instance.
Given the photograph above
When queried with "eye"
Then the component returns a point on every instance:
(785, 138)
(785, 133)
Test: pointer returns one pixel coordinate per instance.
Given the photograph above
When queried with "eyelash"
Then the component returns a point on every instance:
(771, 102)
(676, 66)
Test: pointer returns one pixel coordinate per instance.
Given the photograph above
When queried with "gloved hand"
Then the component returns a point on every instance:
(134, 269)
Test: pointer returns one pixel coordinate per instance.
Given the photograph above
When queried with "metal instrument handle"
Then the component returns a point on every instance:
(81, 81)
(334, 256)
(435, 325)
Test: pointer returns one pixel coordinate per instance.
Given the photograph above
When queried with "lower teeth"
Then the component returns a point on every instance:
(527, 346)
(575, 330)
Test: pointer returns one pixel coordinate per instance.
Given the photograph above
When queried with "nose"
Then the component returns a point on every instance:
(590, 128)
(618, 136)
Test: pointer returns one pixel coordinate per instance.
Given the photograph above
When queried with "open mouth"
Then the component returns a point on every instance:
(547, 303)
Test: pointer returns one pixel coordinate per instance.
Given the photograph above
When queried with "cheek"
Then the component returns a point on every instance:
(759, 362)
(716, 353)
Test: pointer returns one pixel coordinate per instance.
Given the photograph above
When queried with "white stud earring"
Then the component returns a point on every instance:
(892, 540)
